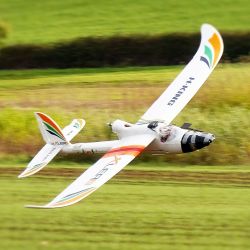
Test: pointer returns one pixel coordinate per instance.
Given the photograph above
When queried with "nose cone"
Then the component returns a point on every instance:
(208, 138)
(203, 139)
(194, 140)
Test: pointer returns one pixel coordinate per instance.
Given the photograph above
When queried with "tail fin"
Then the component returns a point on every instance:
(51, 132)
(55, 139)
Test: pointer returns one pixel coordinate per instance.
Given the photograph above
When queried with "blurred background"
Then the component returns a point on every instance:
(104, 60)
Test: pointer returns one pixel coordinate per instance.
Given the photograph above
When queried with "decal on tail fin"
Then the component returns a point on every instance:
(51, 132)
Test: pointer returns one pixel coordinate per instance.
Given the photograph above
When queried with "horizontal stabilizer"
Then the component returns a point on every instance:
(43, 157)
(73, 129)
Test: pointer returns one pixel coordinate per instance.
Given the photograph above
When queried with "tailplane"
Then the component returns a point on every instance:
(55, 138)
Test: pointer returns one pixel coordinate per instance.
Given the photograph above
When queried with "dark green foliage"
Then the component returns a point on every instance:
(119, 51)
(236, 46)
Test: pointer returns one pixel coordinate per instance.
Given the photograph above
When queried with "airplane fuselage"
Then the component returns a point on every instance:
(169, 139)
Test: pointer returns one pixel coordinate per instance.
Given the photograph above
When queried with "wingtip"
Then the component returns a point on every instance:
(206, 27)
(24, 174)
(37, 206)
(32, 169)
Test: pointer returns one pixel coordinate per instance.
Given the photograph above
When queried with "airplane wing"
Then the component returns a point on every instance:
(103, 170)
(188, 82)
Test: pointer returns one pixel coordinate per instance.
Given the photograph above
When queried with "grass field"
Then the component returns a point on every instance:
(103, 95)
(143, 207)
(50, 21)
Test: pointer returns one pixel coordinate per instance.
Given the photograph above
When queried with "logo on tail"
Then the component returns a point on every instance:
(51, 132)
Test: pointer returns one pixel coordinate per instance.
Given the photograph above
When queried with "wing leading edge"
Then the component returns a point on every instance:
(188, 82)
(103, 170)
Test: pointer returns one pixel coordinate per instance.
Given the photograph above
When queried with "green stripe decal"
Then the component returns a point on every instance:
(53, 130)
(209, 54)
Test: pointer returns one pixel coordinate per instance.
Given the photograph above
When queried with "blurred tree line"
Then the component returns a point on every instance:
(117, 51)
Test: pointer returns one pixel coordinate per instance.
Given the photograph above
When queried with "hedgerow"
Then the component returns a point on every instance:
(119, 51)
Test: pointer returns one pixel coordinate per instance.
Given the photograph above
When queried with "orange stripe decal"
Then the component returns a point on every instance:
(130, 150)
(215, 41)
(50, 122)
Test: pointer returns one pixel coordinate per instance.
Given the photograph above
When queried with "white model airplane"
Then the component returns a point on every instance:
(153, 131)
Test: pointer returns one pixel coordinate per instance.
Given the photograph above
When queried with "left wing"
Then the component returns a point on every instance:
(188, 82)
(103, 170)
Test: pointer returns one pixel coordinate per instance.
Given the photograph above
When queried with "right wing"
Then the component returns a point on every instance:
(103, 170)
(188, 82)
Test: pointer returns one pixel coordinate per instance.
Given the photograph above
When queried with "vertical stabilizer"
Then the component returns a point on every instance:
(50, 130)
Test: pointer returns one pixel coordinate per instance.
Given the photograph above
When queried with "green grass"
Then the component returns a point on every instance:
(130, 212)
(103, 95)
(50, 21)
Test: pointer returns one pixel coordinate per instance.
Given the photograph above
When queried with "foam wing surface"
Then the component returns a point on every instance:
(103, 170)
(188, 82)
